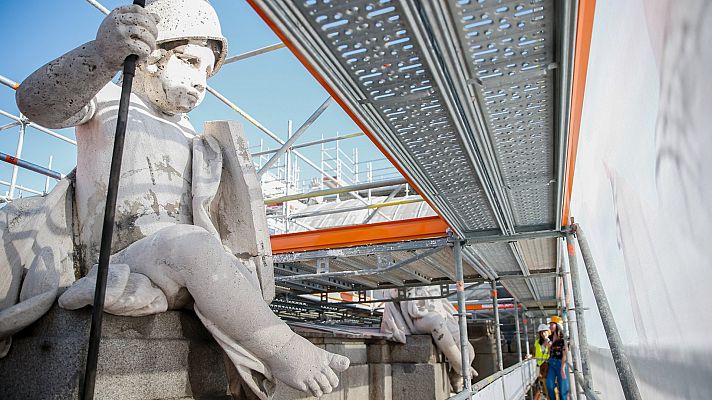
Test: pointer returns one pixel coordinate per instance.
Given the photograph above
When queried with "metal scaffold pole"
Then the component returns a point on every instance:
(462, 317)
(497, 333)
(625, 372)
(525, 322)
(288, 181)
(570, 327)
(518, 335)
(282, 142)
(18, 162)
(337, 190)
(578, 309)
(294, 136)
(18, 154)
(517, 327)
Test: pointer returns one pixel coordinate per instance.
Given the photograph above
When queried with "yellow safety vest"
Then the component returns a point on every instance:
(541, 353)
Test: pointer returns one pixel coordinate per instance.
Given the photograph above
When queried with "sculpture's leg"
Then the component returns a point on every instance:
(188, 256)
(436, 325)
(455, 332)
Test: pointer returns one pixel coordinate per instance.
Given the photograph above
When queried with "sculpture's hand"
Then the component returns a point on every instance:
(126, 30)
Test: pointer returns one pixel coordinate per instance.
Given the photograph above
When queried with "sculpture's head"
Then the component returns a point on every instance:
(191, 48)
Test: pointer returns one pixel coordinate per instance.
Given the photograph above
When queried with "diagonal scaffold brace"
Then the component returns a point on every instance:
(107, 232)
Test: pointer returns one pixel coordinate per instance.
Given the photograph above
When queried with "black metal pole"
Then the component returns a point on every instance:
(107, 231)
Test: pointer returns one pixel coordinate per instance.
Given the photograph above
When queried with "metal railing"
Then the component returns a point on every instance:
(509, 384)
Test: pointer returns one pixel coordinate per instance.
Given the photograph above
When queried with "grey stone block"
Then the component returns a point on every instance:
(381, 381)
(418, 349)
(485, 365)
(378, 352)
(172, 356)
(353, 385)
(356, 352)
(356, 382)
(42, 368)
(153, 369)
(420, 382)
(164, 356)
(169, 325)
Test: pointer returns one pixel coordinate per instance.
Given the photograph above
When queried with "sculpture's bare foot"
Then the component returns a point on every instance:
(306, 367)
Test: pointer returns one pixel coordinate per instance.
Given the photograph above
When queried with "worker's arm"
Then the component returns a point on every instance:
(564, 353)
(60, 93)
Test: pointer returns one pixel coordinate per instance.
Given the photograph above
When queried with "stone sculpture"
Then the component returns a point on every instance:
(190, 229)
(427, 316)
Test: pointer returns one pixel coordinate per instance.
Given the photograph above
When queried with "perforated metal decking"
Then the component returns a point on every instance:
(468, 98)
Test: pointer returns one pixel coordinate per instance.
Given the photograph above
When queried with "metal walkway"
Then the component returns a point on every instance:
(469, 100)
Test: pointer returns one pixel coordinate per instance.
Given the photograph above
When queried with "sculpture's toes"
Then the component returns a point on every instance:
(324, 384)
(326, 380)
(339, 363)
(314, 388)
(331, 376)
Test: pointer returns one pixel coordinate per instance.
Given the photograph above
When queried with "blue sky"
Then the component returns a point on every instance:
(273, 87)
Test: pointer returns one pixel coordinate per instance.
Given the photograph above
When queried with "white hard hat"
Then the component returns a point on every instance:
(189, 20)
(542, 327)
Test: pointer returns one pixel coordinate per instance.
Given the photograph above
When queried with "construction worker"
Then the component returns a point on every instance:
(557, 374)
(541, 354)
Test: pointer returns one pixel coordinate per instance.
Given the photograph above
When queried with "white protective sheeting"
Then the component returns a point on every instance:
(642, 192)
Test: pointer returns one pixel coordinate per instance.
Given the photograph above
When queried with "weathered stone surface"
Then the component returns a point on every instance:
(164, 356)
(356, 382)
(420, 381)
(35, 259)
(419, 374)
(381, 382)
(356, 352)
(353, 385)
(482, 338)
(379, 352)
(172, 356)
(418, 349)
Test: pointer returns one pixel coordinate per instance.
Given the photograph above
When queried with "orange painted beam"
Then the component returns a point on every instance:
(302, 59)
(357, 235)
(584, 30)
(487, 307)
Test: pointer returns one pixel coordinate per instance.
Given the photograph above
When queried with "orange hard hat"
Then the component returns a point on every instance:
(556, 319)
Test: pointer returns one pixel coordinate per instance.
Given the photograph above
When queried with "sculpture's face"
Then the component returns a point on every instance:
(175, 80)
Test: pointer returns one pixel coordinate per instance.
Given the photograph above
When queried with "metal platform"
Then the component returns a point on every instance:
(369, 267)
(468, 99)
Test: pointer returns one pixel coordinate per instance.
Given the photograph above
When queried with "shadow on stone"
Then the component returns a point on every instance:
(163, 356)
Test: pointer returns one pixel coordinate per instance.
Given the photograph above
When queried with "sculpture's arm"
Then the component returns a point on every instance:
(60, 93)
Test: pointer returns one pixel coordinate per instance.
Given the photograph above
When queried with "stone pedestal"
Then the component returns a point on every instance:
(165, 356)
(381, 370)
(172, 356)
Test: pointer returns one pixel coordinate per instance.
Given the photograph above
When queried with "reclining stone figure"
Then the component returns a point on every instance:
(433, 316)
(190, 229)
